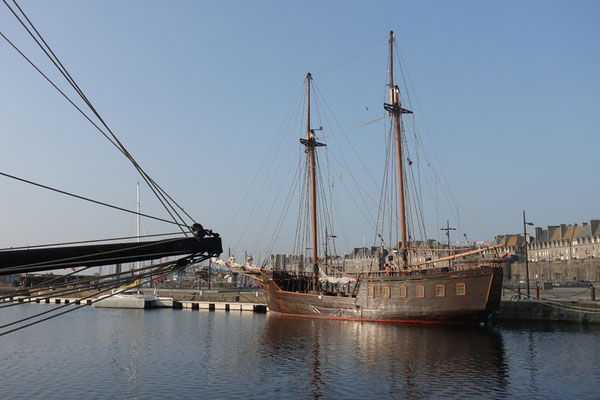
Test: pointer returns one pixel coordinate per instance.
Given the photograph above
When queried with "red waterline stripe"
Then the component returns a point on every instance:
(381, 321)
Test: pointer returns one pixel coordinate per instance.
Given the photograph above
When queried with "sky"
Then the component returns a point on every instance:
(201, 94)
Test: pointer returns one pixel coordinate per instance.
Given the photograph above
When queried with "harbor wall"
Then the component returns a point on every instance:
(582, 312)
(559, 270)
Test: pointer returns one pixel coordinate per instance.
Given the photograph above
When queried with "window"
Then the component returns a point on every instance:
(420, 291)
(402, 291)
(371, 292)
(386, 292)
(440, 290)
(461, 289)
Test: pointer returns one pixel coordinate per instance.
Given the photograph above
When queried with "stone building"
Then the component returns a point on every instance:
(566, 242)
(361, 258)
(557, 253)
(374, 258)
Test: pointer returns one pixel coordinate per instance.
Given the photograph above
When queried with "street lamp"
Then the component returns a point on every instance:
(525, 244)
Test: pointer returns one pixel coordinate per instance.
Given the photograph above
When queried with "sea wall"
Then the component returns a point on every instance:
(561, 270)
(583, 312)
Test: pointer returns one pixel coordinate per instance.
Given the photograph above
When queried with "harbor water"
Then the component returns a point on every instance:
(156, 354)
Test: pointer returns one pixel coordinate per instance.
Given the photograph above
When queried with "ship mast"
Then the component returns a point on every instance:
(395, 109)
(310, 143)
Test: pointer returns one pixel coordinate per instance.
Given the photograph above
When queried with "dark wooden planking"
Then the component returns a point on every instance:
(483, 290)
(17, 261)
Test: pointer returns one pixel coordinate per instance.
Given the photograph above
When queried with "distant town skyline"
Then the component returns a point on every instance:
(199, 93)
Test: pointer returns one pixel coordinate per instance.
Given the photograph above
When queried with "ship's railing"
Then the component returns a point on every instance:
(425, 271)
(302, 282)
(293, 281)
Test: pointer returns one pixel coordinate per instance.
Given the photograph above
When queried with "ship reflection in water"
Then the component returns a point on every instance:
(383, 361)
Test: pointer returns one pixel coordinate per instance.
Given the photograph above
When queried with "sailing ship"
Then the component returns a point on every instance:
(433, 291)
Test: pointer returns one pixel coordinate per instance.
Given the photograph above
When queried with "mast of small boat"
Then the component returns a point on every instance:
(396, 111)
(139, 223)
(310, 147)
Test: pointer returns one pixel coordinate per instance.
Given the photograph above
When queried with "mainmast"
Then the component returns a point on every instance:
(395, 109)
(310, 143)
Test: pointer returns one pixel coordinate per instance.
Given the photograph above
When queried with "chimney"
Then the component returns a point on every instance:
(551, 231)
(538, 234)
(595, 226)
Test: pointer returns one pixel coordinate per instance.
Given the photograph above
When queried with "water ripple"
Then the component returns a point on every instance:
(157, 354)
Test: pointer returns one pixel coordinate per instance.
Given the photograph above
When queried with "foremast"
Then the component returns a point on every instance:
(396, 111)
(310, 143)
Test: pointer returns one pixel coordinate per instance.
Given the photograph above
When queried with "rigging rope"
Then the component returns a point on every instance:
(344, 131)
(142, 282)
(27, 290)
(444, 182)
(378, 43)
(88, 199)
(70, 287)
(161, 195)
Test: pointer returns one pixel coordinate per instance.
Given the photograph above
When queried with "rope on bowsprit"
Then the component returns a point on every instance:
(51, 289)
(101, 288)
(56, 309)
(158, 270)
(41, 286)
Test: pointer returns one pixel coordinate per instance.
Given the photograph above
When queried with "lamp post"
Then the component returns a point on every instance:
(525, 245)
(209, 271)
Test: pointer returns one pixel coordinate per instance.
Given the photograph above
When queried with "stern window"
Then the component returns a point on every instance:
(386, 292)
(420, 291)
(402, 291)
(440, 290)
(461, 289)
(371, 292)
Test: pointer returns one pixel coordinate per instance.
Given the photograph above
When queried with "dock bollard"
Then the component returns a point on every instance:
(593, 293)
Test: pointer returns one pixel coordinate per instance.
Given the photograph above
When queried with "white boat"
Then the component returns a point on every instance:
(163, 302)
(131, 298)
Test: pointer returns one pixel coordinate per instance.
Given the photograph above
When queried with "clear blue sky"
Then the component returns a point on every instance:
(198, 90)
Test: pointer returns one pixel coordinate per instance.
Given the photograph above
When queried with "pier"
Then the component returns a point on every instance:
(214, 306)
(228, 301)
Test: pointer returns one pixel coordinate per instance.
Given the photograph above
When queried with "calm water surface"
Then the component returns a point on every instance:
(97, 354)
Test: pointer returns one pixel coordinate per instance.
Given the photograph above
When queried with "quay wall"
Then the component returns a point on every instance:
(582, 312)
(587, 269)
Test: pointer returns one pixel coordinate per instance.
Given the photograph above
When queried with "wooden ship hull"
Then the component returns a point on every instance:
(453, 297)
